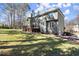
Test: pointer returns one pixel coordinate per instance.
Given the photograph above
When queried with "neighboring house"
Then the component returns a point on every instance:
(73, 26)
(76, 27)
(69, 27)
(51, 21)
(76, 24)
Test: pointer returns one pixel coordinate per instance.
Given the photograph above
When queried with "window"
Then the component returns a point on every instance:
(42, 23)
(55, 15)
(45, 18)
(53, 24)
(50, 16)
(27, 19)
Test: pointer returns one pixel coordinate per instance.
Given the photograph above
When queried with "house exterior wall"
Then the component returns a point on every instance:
(42, 24)
(60, 23)
(27, 25)
(28, 22)
(52, 27)
(55, 15)
(56, 25)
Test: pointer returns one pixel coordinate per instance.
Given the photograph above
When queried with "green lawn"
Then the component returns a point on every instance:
(15, 42)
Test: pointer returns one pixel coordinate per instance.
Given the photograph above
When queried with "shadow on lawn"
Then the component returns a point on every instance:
(44, 51)
(47, 48)
(29, 37)
(1, 43)
(37, 49)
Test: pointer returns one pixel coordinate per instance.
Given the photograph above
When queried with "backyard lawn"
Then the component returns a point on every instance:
(15, 42)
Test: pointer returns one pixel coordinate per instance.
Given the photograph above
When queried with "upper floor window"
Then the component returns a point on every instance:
(50, 16)
(55, 15)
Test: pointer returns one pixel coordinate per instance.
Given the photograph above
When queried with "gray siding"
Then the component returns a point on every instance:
(60, 23)
(42, 24)
(56, 21)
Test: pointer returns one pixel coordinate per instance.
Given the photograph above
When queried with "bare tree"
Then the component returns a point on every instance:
(16, 13)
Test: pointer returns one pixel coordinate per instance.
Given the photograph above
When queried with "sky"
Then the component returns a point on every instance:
(70, 10)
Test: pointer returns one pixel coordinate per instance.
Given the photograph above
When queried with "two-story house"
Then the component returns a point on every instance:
(51, 21)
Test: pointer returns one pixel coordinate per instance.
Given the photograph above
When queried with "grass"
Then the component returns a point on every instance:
(34, 44)
(10, 31)
(4, 37)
